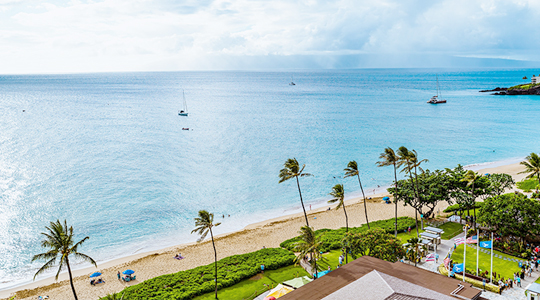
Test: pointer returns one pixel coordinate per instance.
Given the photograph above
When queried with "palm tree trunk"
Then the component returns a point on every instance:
(365, 204)
(71, 279)
(215, 259)
(417, 201)
(302, 201)
(346, 230)
(395, 198)
(474, 206)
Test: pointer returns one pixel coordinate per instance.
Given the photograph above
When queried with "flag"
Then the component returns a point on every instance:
(446, 262)
(459, 241)
(472, 240)
(485, 244)
(458, 268)
(430, 257)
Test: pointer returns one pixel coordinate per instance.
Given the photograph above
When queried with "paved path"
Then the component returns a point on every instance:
(515, 293)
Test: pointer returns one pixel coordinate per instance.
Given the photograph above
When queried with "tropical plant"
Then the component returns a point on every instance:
(471, 177)
(532, 166)
(376, 243)
(204, 224)
(500, 182)
(291, 168)
(309, 244)
(390, 158)
(60, 241)
(352, 170)
(339, 195)
(415, 250)
(408, 160)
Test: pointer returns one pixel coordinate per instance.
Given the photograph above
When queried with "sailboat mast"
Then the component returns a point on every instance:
(185, 103)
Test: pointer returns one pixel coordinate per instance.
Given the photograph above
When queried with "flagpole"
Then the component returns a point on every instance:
(491, 265)
(477, 249)
(464, 251)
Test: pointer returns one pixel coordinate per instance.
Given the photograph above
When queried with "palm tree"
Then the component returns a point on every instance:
(352, 170)
(59, 239)
(389, 158)
(292, 169)
(309, 244)
(204, 224)
(414, 250)
(416, 164)
(406, 160)
(532, 166)
(471, 177)
(339, 194)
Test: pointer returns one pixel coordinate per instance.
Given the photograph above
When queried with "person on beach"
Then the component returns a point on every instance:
(118, 274)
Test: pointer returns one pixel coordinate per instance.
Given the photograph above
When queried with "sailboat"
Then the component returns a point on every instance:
(183, 111)
(292, 82)
(435, 99)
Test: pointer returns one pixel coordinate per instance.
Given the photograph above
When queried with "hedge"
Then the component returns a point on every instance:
(479, 284)
(331, 238)
(455, 207)
(194, 282)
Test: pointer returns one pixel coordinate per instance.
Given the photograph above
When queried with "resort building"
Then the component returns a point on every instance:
(533, 291)
(369, 278)
(535, 80)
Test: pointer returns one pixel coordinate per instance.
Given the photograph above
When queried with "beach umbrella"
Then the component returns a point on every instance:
(95, 275)
(128, 272)
(297, 282)
(386, 198)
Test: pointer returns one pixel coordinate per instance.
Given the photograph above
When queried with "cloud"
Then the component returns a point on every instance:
(117, 35)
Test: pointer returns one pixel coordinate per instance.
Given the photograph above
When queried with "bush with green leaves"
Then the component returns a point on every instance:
(456, 207)
(191, 283)
(331, 238)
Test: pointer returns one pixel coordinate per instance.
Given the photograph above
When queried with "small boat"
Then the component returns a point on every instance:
(292, 82)
(185, 128)
(183, 111)
(435, 99)
(524, 77)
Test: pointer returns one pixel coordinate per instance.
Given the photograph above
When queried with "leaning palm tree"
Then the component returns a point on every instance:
(471, 177)
(532, 166)
(352, 170)
(406, 159)
(59, 240)
(339, 195)
(204, 224)
(390, 158)
(309, 244)
(292, 169)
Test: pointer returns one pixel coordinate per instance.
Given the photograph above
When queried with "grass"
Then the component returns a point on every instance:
(503, 267)
(451, 229)
(249, 288)
(332, 260)
(527, 184)
(538, 280)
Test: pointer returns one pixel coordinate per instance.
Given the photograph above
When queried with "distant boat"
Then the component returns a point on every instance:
(435, 99)
(524, 77)
(183, 111)
(292, 82)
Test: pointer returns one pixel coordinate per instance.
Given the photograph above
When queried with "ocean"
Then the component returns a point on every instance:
(107, 151)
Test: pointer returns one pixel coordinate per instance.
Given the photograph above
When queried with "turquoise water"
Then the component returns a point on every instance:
(107, 151)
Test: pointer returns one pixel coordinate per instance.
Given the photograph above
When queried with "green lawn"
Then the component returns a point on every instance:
(332, 260)
(249, 288)
(504, 267)
(527, 184)
(451, 229)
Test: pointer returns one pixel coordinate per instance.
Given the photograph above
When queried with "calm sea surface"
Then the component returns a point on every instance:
(107, 151)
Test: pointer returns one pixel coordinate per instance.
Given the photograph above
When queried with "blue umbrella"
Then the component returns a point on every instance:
(95, 274)
(128, 272)
(386, 198)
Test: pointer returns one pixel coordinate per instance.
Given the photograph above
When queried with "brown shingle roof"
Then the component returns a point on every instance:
(337, 279)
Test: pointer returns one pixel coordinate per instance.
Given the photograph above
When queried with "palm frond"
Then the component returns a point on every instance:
(45, 267)
(85, 258)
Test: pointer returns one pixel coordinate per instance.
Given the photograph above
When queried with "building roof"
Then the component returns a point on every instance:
(372, 278)
(534, 287)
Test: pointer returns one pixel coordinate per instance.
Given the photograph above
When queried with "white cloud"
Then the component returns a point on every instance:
(108, 35)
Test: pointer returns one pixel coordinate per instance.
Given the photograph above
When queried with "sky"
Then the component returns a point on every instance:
(168, 35)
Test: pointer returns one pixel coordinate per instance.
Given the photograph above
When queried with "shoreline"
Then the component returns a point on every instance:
(268, 233)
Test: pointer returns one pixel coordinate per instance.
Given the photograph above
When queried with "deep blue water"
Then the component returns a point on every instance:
(107, 151)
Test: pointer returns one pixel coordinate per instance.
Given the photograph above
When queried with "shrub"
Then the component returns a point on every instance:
(191, 283)
(331, 238)
(455, 207)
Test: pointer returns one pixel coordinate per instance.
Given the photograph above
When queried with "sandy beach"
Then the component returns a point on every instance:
(268, 233)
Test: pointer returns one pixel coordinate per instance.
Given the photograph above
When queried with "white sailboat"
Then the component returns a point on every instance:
(292, 82)
(435, 99)
(183, 111)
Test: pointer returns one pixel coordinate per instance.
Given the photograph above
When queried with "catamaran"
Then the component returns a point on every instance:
(435, 99)
(292, 82)
(183, 111)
